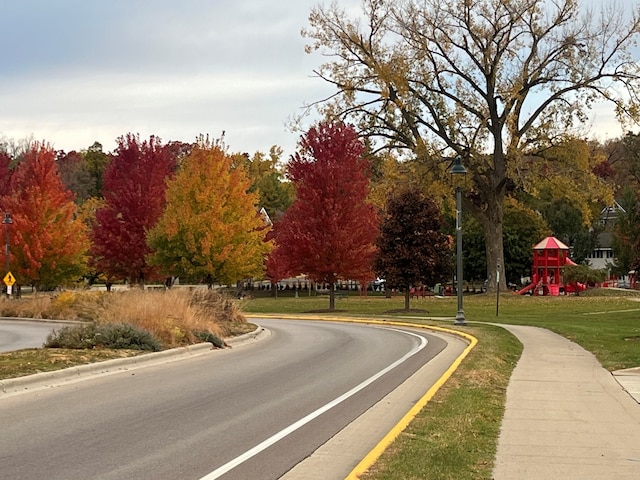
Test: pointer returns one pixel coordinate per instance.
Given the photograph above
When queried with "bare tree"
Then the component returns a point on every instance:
(492, 81)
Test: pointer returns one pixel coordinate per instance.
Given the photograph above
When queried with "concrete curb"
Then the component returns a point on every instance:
(629, 380)
(246, 338)
(39, 381)
(41, 320)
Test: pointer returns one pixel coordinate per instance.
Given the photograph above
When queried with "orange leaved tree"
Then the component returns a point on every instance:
(210, 229)
(48, 245)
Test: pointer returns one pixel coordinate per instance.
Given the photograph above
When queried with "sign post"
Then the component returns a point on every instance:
(9, 280)
(497, 290)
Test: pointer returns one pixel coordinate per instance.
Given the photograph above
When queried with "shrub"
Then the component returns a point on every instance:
(205, 336)
(170, 316)
(216, 305)
(115, 336)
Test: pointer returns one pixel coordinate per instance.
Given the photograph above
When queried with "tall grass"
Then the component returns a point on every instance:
(174, 316)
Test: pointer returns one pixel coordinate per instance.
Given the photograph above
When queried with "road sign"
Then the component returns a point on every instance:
(9, 279)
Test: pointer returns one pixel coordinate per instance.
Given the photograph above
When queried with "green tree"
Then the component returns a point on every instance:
(75, 175)
(95, 163)
(626, 240)
(412, 250)
(275, 194)
(495, 82)
(573, 274)
(210, 228)
(523, 228)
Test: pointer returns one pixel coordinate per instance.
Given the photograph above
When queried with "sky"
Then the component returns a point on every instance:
(77, 71)
(73, 72)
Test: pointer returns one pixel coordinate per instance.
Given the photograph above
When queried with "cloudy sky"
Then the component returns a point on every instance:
(77, 71)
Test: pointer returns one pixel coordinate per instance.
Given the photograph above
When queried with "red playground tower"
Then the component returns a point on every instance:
(549, 256)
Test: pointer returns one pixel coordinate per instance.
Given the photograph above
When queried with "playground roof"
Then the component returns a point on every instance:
(551, 243)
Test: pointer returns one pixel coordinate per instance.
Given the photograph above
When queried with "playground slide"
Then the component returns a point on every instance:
(531, 286)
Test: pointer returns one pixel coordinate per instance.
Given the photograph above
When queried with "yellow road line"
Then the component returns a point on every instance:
(404, 422)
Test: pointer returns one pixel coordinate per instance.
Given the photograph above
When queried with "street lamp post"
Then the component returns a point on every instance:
(459, 169)
(7, 221)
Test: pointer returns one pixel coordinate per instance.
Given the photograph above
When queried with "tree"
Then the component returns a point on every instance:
(267, 180)
(329, 231)
(492, 81)
(624, 160)
(48, 243)
(572, 274)
(134, 195)
(5, 172)
(276, 267)
(626, 240)
(96, 161)
(211, 227)
(523, 228)
(75, 175)
(412, 249)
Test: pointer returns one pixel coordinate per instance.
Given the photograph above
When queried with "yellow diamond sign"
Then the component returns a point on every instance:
(9, 279)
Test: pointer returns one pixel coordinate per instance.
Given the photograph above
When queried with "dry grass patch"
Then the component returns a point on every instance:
(175, 317)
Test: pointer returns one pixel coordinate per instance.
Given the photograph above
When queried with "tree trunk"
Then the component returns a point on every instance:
(407, 297)
(491, 221)
(332, 297)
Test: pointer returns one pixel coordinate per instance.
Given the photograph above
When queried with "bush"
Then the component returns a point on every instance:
(115, 336)
(171, 317)
(205, 336)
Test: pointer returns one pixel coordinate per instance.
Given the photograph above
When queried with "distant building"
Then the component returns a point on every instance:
(601, 257)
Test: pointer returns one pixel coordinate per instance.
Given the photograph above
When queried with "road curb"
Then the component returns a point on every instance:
(38, 381)
(404, 422)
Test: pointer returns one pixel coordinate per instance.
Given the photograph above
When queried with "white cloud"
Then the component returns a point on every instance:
(78, 71)
(86, 71)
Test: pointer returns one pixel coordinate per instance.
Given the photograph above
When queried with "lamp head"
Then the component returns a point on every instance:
(7, 220)
(458, 168)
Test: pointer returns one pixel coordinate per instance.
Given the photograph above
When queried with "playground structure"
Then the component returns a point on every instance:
(549, 257)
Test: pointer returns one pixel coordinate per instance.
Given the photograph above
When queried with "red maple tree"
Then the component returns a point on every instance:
(276, 264)
(48, 243)
(5, 172)
(329, 231)
(134, 194)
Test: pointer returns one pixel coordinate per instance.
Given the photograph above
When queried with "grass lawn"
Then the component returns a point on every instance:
(455, 435)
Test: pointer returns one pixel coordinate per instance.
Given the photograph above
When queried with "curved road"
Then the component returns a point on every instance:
(248, 412)
(19, 334)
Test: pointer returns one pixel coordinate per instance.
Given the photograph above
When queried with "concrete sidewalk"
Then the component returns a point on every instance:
(567, 417)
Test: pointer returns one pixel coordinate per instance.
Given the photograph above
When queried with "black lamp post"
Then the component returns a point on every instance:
(7, 221)
(458, 169)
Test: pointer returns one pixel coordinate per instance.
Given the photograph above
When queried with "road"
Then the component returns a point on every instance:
(19, 334)
(248, 412)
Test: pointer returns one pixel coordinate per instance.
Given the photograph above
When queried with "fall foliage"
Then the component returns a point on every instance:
(48, 244)
(134, 195)
(211, 229)
(329, 231)
(413, 251)
(494, 82)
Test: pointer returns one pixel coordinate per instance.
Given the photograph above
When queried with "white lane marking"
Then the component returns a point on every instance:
(217, 473)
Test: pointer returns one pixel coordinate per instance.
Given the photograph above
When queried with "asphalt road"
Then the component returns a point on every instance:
(249, 412)
(19, 334)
